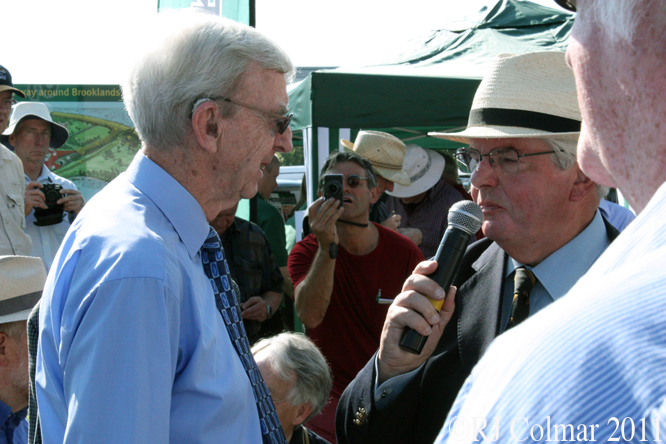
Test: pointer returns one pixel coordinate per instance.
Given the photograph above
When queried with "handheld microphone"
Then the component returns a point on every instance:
(465, 219)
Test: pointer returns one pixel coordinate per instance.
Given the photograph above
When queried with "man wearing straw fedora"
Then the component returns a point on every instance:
(424, 204)
(49, 210)
(22, 279)
(386, 153)
(543, 232)
(13, 239)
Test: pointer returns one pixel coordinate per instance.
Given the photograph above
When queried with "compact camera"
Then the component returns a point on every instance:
(333, 186)
(54, 213)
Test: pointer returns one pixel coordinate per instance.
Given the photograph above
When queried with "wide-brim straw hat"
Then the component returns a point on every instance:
(35, 110)
(524, 96)
(22, 280)
(384, 151)
(424, 167)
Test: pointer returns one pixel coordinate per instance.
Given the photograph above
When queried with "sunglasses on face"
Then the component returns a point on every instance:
(506, 160)
(281, 121)
(354, 180)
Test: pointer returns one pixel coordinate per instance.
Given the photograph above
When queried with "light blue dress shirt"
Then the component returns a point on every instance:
(132, 347)
(13, 426)
(589, 367)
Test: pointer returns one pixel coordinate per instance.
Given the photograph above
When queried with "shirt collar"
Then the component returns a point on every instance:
(43, 175)
(562, 269)
(9, 420)
(178, 205)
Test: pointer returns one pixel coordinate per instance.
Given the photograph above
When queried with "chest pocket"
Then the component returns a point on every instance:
(15, 204)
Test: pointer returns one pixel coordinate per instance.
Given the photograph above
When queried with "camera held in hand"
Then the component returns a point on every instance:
(54, 213)
(333, 186)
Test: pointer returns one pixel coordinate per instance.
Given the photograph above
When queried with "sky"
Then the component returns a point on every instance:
(92, 41)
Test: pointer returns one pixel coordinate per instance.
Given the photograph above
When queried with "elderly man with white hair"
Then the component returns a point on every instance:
(299, 379)
(592, 366)
(141, 339)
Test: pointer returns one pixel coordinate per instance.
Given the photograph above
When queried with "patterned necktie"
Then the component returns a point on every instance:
(520, 308)
(216, 268)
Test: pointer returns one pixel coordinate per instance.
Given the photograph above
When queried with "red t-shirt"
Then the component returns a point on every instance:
(349, 334)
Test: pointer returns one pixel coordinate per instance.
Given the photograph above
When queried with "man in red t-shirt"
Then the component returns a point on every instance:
(340, 296)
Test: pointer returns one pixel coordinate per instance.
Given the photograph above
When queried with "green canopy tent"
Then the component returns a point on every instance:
(429, 89)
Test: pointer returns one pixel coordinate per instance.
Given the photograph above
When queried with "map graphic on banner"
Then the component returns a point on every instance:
(102, 141)
(237, 10)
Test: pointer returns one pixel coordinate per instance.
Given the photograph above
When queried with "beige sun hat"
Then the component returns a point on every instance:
(385, 152)
(22, 280)
(527, 95)
(424, 167)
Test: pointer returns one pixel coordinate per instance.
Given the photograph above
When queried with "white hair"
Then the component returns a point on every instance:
(294, 357)
(192, 56)
(565, 157)
(618, 18)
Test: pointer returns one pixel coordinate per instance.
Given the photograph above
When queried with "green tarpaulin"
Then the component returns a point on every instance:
(428, 89)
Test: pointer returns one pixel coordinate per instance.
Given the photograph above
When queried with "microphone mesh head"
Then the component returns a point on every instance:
(466, 215)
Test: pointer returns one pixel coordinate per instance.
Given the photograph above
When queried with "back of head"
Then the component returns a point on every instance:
(191, 56)
(294, 356)
(347, 156)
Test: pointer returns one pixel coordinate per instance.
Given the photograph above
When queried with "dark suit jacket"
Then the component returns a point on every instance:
(418, 413)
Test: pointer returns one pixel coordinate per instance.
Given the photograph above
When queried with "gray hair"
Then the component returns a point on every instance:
(294, 357)
(618, 18)
(14, 329)
(565, 157)
(348, 156)
(199, 56)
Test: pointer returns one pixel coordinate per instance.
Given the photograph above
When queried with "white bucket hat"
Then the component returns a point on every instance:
(22, 279)
(35, 110)
(527, 95)
(424, 167)
(384, 151)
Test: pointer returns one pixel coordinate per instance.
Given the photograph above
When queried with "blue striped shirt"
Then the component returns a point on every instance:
(591, 366)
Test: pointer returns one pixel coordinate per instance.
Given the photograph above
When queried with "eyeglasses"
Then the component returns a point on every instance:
(506, 159)
(7, 103)
(281, 121)
(567, 4)
(354, 180)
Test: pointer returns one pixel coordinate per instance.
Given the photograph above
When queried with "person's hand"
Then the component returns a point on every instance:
(73, 201)
(413, 309)
(254, 309)
(34, 198)
(323, 214)
(392, 222)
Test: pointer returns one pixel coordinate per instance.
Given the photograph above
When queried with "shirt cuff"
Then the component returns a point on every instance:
(391, 388)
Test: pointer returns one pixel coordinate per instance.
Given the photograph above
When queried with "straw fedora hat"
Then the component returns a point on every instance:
(424, 167)
(527, 95)
(385, 152)
(22, 280)
(35, 110)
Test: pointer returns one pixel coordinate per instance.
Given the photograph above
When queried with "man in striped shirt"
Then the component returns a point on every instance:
(591, 366)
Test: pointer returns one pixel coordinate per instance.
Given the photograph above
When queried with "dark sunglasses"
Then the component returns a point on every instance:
(354, 180)
(281, 121)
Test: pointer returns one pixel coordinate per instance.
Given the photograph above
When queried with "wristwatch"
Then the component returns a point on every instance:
(269, 309)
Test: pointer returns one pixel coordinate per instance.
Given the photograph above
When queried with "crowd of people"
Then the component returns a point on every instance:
(154, 314)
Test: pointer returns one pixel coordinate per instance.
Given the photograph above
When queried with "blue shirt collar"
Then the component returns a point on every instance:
(559, 271)
(9, 420)
(178, 205)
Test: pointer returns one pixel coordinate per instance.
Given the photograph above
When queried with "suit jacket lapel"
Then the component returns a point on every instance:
(479, 305)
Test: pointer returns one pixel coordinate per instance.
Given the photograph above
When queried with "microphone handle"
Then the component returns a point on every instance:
(449, 256)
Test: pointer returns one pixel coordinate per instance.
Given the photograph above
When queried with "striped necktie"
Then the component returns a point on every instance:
(216, 268)
(524, 281)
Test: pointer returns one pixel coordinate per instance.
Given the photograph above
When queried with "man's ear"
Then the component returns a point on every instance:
(12, 139)
(205, 123)
(304, 411)
(581, 186)
(374, 195)
(4, 349)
